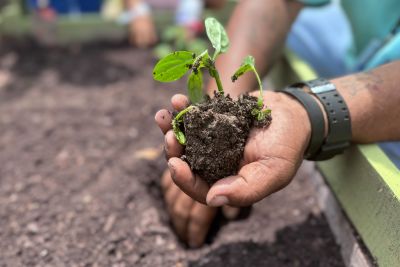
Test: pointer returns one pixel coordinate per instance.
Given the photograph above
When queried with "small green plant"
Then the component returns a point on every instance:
(175, 65)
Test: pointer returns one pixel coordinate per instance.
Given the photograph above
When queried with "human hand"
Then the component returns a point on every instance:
(191, 219)
(270, 160)
(142, 31)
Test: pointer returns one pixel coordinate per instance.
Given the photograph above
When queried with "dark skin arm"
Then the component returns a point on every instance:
(257, 28)
(373, 98)
(272, 156)
(273, 19)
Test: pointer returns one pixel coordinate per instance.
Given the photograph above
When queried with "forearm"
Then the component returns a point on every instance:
(257, 28)
(373, 99)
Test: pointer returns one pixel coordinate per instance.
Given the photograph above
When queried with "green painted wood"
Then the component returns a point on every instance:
(366, 184)
(384, 166)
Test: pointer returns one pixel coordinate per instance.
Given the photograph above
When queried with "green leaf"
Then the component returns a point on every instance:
(173, 66)
(217, 35)
(249, 60)
(195, 87)
(180, 136)
(247, 65)
(267, 112)
(255, 112)
(260, 114)
(201, 60)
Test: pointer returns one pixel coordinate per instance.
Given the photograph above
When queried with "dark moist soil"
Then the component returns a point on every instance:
(80, 172)
(216, 133)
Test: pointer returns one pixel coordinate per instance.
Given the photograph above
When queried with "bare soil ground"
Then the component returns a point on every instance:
(80, 161)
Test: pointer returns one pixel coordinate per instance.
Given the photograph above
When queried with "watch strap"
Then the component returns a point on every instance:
(339, 122)
(316, 119)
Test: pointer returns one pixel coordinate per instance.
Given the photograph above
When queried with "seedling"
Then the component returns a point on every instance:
(175, 65)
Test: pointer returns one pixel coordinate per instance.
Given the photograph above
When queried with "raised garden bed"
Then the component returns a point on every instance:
(81, 162)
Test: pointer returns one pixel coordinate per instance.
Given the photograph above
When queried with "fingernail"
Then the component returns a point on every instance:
(218, 201)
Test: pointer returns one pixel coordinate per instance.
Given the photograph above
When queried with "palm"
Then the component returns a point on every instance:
(271, 158)
(277, 149)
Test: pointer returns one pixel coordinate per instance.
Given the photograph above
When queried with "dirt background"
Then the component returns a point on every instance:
(80, 165)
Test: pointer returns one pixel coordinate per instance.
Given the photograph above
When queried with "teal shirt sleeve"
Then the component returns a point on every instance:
(314, 2)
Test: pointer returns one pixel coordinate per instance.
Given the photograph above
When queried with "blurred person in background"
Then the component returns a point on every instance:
(135, 14)
(142, 31)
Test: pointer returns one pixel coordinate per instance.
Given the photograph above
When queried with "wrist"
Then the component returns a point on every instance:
(331, 125)
(326, 124)
(300, 113)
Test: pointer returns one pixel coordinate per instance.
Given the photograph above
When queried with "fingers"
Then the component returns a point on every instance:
(171, 195)
(179, 102)
(172, 146)
(163, 119)
(230, 213)
(180, 214)
(166, 180)
(191, 219)
(201, 218)
(183, 177)
(253, 182)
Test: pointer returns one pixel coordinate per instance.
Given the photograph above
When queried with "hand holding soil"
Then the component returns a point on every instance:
(191, 219)
(270, 160)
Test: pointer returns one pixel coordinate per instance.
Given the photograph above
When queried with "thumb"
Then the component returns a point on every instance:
(254, 182)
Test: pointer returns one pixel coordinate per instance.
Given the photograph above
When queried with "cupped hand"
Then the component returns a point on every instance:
(142, 31)
(270, 160)
(190, 218)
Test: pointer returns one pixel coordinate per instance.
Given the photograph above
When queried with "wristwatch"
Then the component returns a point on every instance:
(339, 122)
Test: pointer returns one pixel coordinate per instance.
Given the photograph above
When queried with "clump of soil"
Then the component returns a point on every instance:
(216, 132)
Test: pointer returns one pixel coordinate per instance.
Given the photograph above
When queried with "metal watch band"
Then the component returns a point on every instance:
(316, 119)
(339, 123)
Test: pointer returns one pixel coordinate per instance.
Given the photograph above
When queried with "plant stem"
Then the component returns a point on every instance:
(214, 73)
(216, 53)
(260, 97)
(180, 136)
(218, 80)
(182, 112)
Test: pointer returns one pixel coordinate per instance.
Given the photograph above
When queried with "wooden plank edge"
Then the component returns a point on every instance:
(353, 253)
(383, 165)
